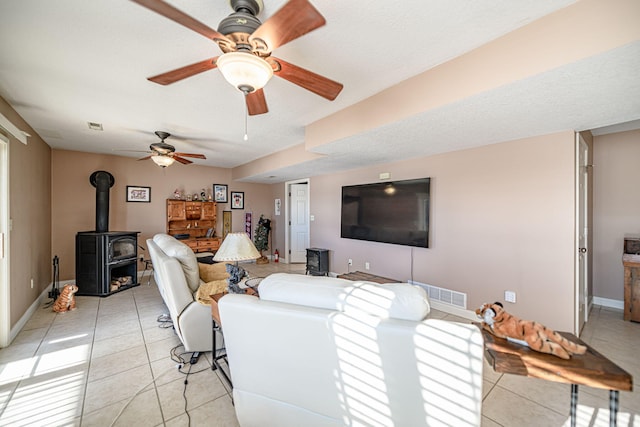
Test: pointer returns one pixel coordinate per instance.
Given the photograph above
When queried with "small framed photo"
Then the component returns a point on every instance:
(138, 194)
(220, 193)
(237, 200)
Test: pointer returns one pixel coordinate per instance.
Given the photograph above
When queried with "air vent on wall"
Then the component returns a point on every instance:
(445, 296)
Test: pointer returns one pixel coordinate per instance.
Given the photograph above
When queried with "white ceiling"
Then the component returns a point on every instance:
(68, 62)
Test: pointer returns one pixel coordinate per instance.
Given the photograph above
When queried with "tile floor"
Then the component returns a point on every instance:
(109, 363)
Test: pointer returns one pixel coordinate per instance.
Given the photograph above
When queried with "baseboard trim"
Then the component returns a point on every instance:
(607, 302)
(456, 311)
(44, 295)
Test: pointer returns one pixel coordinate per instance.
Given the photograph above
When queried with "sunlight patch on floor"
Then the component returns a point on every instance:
(588, 416)
(51, 400)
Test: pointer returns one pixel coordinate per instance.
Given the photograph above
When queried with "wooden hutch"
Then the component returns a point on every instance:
(194, 223)
(631, 263)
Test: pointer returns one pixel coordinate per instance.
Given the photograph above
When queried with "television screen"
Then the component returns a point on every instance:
(389, 212)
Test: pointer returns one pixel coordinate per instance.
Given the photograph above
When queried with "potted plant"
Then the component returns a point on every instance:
(261, 239)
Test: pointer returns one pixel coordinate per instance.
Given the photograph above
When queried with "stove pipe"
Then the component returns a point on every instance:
(102, 181)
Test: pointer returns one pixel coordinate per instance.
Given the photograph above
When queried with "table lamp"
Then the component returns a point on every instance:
(236, 247)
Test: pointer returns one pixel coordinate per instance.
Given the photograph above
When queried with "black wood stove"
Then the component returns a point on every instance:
(317, 262)
(106, 261)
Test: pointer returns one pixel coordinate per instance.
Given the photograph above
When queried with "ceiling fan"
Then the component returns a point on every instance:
(164, 154)
(247, 44)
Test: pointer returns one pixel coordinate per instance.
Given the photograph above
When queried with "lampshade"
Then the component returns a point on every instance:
(245, 71)
(163, 161)
(236, 247)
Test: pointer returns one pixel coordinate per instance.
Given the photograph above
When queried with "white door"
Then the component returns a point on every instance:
(5, 318)
(298, 221)
(582, 233)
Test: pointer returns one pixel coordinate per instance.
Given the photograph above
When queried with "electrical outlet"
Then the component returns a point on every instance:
(350, 262)
(366, 265)
(510, 296)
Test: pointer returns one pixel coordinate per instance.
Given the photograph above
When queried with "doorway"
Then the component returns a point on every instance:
(297, 220)
(5, 314)
(582, 233)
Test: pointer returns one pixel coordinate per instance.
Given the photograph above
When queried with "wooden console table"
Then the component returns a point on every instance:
(591, 369)
(366, 277)
(631, 265)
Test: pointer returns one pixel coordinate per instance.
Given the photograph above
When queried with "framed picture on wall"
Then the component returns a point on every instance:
(237, 200)
(138, 194)
(220, 193)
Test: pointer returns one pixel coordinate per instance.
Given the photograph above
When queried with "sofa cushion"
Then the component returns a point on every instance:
(209, 272)
(183, 253)
(391, 300)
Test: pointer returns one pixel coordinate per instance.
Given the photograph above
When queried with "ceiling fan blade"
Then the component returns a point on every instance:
(195, 156)
(308, 80)
(144, 158)
(256, 103)
(184, 72)
(294, 19)
(181, 160)
(181, 18)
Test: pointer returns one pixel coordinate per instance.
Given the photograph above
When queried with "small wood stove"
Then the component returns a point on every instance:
(106, 261)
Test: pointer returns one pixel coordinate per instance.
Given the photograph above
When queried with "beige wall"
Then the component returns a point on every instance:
(502, 218)
(616, 207)
(278, 225)
(73, 205)
(30, 213)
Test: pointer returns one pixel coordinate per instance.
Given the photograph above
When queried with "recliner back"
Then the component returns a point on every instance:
(294, 364)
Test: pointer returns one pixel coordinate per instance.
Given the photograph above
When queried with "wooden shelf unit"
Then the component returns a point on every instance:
(631, 263)
(195, 219)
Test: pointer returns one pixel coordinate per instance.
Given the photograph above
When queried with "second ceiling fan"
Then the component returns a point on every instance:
(164, 154)
(247, 44)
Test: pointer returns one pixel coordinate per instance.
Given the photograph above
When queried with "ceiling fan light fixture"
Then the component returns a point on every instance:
(163, 161)
(245, 71)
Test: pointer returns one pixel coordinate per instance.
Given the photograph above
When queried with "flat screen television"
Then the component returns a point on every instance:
(389, 212)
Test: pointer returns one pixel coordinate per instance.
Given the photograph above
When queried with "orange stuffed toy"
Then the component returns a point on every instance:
(538, 337)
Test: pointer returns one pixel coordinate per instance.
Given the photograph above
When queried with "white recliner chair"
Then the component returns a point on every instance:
(320, 351)
(175, 269)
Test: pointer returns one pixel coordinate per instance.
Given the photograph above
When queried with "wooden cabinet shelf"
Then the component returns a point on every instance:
(196, 220)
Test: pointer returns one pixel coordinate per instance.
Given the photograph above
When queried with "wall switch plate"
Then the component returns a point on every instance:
(510, 296)
(350, 262)
(366, 265)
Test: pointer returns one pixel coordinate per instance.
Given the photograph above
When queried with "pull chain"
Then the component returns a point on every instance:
(246, 114)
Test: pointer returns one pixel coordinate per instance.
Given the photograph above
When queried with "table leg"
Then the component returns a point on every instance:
(214, 364)
(613, 407)
(214, 353)
(574, 403)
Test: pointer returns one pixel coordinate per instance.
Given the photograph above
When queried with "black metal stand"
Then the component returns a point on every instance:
(219, 354)
(613, 406)
(55, 290)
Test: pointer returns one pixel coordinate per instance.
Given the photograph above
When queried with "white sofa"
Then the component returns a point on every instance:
(176, 273)
(319, 351)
